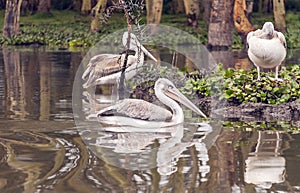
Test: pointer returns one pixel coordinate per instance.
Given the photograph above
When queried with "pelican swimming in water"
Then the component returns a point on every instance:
(140, 113)
(266, 48)
(106, 68)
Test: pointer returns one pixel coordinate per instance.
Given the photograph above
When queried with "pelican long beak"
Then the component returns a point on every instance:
(148, 53)
(175, 94)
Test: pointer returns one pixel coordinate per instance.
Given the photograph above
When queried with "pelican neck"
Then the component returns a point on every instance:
(177, 113)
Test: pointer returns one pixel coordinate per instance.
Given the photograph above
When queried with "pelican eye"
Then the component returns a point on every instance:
(170, 87)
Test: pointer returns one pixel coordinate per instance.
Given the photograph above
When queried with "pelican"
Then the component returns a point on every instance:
(106, 68)
(140, 113)
(266, 48)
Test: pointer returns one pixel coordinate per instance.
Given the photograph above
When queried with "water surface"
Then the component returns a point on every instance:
(42, 150)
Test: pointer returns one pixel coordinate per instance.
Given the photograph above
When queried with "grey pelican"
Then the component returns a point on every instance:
(266, 48)
(106, 68)
(142, 114)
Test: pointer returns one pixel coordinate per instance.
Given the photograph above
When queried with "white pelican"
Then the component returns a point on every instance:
(140, 113)
(106, 68)
(267, 48)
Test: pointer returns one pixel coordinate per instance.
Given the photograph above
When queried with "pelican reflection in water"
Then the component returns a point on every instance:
(140, 150)
(267, 48)
(140, 113)
(106, 68)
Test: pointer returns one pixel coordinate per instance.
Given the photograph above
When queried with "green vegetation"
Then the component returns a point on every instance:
(293, 35)
(240, 86)
(262, 126)
(60, 29)
(69, 29)
(234, 86)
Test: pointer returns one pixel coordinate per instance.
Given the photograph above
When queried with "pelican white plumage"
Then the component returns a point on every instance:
(142, 114)
(106, 68)
(266, 48)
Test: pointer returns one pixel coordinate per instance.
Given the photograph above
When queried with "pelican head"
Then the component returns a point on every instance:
(135, 45)
(167, 88)
(268, 28)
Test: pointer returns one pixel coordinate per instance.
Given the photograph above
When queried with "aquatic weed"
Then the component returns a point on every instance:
(240, 86)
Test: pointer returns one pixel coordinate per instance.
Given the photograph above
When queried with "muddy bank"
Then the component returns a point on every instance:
(250, 111)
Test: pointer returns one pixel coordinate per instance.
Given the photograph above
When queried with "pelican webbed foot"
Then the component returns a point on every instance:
(276, 79)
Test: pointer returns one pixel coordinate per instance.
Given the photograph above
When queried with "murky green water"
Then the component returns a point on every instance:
(42, 150)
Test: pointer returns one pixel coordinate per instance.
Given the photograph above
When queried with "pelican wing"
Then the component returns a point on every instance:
(249, 35)
(281, 38)
(138, 109)
(102, 65)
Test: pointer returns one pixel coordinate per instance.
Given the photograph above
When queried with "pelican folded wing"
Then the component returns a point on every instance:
(138, 109)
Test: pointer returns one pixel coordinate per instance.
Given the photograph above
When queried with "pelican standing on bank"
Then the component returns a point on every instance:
(106, 68)
(140, 113)
(266, 48)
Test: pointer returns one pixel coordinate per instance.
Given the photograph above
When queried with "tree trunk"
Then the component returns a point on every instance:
(249, 8)
(97, 12)
(12, 18)
(241, 22)
(29, 7)
(267, 6)
(192, 11)
(260, 6)
(279, 15)
(177, 6)
(225, 57)
(206, 4)
(86, 7)
(220, 34)
(76, 5)
(44, 6)
(154, 10)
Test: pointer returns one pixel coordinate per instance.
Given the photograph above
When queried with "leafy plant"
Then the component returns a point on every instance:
(240, 86)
